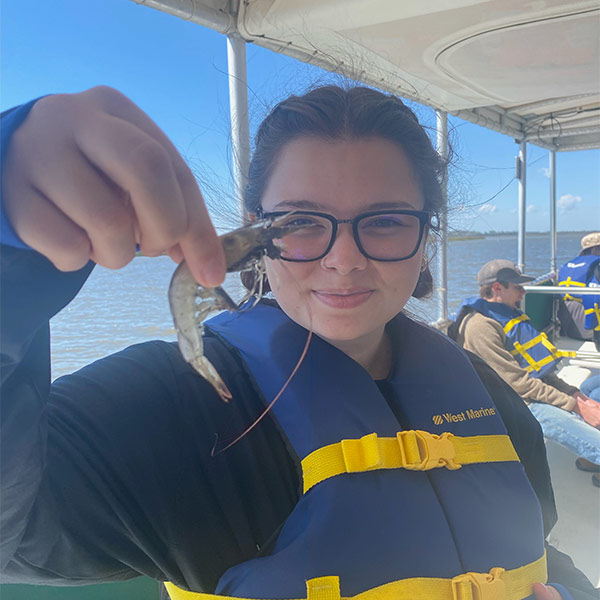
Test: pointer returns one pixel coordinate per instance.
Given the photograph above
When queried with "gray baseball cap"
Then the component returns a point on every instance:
(501, 270)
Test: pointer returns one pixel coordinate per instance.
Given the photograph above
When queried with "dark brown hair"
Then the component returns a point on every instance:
(334, 113)
(486, 291)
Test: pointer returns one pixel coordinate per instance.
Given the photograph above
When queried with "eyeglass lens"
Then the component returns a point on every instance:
(382, 236)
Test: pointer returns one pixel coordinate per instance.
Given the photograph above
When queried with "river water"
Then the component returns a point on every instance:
(118, 308)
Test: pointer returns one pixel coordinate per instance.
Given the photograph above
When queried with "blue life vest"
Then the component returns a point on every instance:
(581, 272)
(384, 524)
(532, 349)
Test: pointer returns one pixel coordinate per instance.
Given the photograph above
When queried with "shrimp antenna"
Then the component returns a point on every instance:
(269, 407)
(215, 452)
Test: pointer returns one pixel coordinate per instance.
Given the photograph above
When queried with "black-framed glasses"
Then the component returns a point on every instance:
(382, 235)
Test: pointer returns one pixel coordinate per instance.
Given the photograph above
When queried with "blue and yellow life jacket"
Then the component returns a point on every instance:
(420, 495)
(581, 272)
(532, 349)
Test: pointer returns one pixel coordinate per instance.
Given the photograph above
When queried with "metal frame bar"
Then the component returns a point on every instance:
(552, 169)
(555, 289)
(522, 204)
(238, 102)
(442, 148)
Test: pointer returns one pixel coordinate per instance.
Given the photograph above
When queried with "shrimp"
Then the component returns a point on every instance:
(191, 303)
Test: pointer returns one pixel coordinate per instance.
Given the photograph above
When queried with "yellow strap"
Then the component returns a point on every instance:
(534, 365)
(498, 584)
(569, 282)
(514, 322)
(413, 450)
(596, 310)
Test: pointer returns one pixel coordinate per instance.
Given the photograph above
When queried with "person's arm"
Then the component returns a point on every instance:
(485, 337)
(561, 385)
(11, 120)
(528, 440)
(107, 473)
(52, 446)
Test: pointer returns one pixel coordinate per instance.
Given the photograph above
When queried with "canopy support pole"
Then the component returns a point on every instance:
(522, 177)
(442, 148)
(238, 102)
(552, 169)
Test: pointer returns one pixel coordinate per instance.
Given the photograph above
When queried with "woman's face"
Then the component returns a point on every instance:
(344, 296)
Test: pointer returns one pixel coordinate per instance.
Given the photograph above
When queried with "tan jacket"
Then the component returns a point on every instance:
(485, 337)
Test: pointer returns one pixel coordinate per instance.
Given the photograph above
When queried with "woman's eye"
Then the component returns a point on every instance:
(304, 221)
(301, 221)
(311, 226)
(386, 222)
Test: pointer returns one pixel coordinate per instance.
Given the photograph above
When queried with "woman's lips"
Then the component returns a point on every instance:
(343, 298)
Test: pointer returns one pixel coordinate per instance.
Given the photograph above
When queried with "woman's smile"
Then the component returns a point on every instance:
(343, 298)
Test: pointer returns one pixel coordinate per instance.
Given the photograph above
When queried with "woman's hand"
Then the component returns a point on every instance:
(588, 409)
(545, 592)
(90, 175)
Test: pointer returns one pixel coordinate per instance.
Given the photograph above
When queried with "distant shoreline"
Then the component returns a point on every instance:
(459, 236)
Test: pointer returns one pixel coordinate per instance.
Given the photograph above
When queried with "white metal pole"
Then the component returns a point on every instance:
(442, 148)
(238, 102)
(552, 168)
(522, 176)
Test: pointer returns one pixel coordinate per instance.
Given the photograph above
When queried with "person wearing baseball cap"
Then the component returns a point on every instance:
(579, 315)
(493, 326)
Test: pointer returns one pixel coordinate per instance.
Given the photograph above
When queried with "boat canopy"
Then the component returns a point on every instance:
(529, 69)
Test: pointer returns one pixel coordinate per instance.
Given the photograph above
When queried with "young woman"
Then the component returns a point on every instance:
(384, 469)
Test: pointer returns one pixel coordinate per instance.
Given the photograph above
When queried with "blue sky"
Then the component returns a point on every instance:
(176, 72)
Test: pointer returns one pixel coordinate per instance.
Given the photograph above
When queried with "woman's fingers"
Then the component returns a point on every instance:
(205, 261)
(545, 592)
(93, 203)
(96, 164)
(46, 229)
(199, 245)
(142, 169)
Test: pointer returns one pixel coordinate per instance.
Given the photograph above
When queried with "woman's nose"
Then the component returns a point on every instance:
(344, 256)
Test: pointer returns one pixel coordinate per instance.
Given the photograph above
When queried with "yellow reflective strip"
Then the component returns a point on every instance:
(570, 282)
(515, 584)
(514, 322)
(549, 345)
(595, 309)
(414, 450)
(519, 350)
(534, 365)
(532, 342)
(556, 352)
(540, 363)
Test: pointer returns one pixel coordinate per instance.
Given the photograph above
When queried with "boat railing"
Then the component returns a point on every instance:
(555, 289)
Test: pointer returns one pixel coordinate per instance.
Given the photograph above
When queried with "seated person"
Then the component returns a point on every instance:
(579, 314)
(493, 327)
